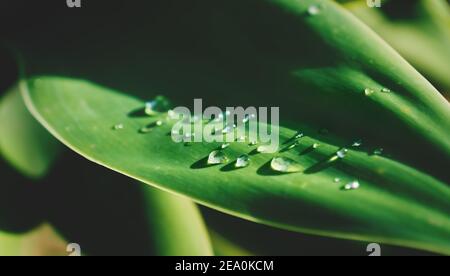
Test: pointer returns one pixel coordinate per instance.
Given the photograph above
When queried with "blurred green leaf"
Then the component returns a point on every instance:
(315, 67)
(419, 30)
(24, 143)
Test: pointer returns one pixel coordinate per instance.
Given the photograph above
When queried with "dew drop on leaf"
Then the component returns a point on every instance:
(285, 165)
(342, 153)
(243, 161)
(386, 90)
(118, 127)
(158, 105)
(368, 91)
(352, 185)
(217, 157)
(314, 10)
(357, 143)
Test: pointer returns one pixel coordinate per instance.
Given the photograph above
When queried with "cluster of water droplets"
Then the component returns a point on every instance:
(280, 164)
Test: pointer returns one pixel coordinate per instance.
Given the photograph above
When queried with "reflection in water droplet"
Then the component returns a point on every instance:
(285, 165)
(118, 127)
(314, 10)
(352, 185)
(243, 161)
(158, 105)
(368, 91)
(342, 153)
(217, 157)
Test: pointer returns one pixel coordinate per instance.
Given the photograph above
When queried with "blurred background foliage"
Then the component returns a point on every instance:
(49, 196)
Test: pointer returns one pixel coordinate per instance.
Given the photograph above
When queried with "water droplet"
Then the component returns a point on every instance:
(266, 149)
(378, 151)
(357, 144)
(217, 157)
(158, 105)
(315, 145)
(314, 10)
(386, 90)
(337, 180)
(352, 185)
(368, 91)
(299, 135)
(118, 127)
(285, 165)
(243, 161)
(224, 146)
(342, 153)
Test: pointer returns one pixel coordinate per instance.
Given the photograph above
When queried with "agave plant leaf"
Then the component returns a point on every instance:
(419, 30)
(314, 60)
(395, 204)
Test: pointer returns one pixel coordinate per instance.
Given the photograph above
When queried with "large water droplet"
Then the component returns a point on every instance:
(314, 10)
(217, 157)
(243, 161)
(158, 105)
(285, 165)
(342, 153)
(352, 185)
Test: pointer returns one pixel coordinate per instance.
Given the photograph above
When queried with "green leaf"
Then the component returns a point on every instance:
(178, 225)
(396, 203)
(24, 143)
(418, 30)
(315, 67)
